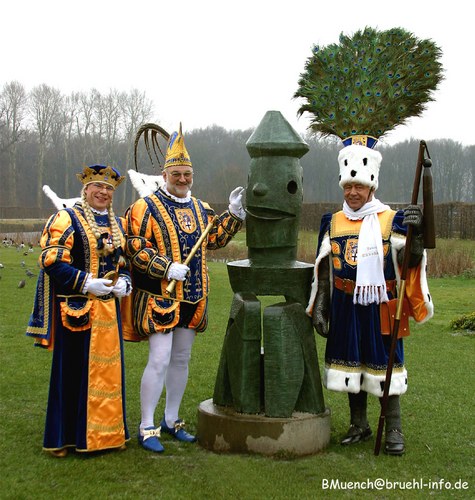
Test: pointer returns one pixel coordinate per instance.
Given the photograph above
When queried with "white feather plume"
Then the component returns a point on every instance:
(145, 184)
(58, 202)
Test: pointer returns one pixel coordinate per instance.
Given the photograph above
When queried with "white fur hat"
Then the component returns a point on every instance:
(359, 164)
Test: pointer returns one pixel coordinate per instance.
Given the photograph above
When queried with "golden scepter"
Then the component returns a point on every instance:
(204, 234)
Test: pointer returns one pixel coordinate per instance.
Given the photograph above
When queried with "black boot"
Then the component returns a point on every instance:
(359, 428)
(394, 437)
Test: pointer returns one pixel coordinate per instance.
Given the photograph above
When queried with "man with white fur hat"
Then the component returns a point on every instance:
(356, 274)
(358, 90)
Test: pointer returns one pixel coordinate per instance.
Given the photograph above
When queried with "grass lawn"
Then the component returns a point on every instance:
(437, 411)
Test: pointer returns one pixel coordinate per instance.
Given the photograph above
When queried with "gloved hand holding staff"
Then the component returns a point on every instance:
(196, 247)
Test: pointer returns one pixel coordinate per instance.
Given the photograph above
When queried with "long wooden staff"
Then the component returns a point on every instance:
(196, 247)
(426, 162)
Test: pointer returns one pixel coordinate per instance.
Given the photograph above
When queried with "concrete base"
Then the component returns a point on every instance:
(221, 429)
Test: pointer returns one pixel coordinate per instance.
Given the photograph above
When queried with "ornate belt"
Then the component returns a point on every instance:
(348, 286)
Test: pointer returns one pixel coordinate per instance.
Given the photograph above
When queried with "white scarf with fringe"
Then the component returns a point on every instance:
(370, 282)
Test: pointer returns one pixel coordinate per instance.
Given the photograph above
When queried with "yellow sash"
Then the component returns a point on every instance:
(105, 419)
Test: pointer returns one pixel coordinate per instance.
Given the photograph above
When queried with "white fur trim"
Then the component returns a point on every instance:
(325, 249)
(344, 381)
(359, 164)
(397, 243)
(58, 202)
(425, 289)
(144, 184)
(336, 380)
(372, 383)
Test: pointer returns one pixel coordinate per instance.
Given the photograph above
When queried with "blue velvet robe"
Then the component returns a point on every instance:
(86, 402)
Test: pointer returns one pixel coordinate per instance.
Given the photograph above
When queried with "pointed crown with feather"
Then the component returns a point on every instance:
(363, 87)
(177, 155)
(100, 173)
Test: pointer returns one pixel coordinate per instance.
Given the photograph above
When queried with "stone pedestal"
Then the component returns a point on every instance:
(222, 429)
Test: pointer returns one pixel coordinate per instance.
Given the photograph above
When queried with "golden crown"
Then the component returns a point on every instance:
(177, 155)
(100, 173)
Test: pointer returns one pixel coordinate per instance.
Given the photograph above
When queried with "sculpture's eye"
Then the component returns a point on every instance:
(292, 187)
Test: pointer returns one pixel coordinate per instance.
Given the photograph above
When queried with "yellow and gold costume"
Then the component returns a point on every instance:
(86, 404)
(161, 231)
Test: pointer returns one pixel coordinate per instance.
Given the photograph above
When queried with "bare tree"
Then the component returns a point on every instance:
(470, 168)
(449, 176)
(86, 121)
(69, 131)
(13, 105)
(69, 112)
(110, 111)
(320, 169)
(45, 108)
(136, 110)
(63, 141)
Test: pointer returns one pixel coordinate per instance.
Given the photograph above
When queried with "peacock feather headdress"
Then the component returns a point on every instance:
(368, 83)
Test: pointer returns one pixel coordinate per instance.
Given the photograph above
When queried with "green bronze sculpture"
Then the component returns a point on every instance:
(269, 361)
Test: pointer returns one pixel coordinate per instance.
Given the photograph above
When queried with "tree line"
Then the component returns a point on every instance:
(46, 137)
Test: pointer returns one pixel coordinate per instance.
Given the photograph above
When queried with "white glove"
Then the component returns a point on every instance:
(98, 286)
(122, 288)
(177, 271)
(235, 203)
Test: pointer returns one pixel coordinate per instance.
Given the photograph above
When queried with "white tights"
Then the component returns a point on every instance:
(169, 355)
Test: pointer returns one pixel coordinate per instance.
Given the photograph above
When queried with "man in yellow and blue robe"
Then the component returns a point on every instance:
(162, 229)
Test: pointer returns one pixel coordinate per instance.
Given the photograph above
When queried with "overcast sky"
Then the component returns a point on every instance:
(222, 62)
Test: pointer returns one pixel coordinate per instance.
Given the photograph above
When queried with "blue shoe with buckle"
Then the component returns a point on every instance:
(148, 439)
(178, 431)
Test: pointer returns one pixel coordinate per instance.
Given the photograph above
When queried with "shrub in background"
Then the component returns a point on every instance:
(464, 322)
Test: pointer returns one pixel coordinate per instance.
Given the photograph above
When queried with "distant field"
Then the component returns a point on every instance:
(21, 225)
(452, 257)
(449, 258)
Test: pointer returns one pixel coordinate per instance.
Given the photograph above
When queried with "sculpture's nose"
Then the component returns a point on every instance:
(260, 189)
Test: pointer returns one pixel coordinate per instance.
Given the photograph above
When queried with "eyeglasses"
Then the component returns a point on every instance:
(99, 185)
(177, 175)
